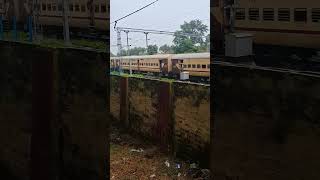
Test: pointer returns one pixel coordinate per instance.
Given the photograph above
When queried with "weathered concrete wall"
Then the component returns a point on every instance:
(115, 97)
(266, 124)
(143, 105)
(15, 111)
(83, 98)
(175, 115)
(191, 113)
(54, 113)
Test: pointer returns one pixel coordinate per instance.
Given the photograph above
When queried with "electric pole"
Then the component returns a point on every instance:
(65, 11)
(146, 33)
(119, 46)
(128, 50)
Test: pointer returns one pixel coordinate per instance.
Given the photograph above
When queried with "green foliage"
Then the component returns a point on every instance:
(188, 44)
(166, 49)
(152, 49)
(133, 51)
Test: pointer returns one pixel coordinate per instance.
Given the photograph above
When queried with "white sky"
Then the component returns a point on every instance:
(166, 15)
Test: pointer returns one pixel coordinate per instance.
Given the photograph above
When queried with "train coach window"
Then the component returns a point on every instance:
(77, 7)
(208, 66)
(103, 8)
(49, 7)
(184, 66)
(189, 65)
(44, 7)
(1, 6)
(54, 7)
(204, 66)
(315, 15)
(254, 14)
(83, 8)
(240, 14)
(268, 14)
(198, 65)
(284, 14)
(300, 15)
(71, 7)
(59, 7)
(96, 9)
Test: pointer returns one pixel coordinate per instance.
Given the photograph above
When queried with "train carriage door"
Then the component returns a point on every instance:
(177, 65)
(163, 65)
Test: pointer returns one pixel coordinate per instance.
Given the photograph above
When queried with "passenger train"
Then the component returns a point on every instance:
(83, 14)
(283, 26)
(171, 65)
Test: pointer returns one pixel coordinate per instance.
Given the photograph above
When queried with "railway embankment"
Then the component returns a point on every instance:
(176, 115)
(54, 112)
(266, 124)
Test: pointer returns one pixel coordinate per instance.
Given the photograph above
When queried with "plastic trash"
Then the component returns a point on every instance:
(193, 166)
(137, 150)
(167, 163)
(152, 176)
(178, 166)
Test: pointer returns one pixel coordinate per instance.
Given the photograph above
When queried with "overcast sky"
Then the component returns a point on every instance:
(166, 15)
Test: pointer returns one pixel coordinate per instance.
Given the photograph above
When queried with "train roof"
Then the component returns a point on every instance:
(156, 56)
(173, 56)
(191, 55)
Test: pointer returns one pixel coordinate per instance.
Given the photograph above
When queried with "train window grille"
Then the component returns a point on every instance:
(54, 7)
(49, 7)
(254, 14)
(284, 14)
(44, 7)
(96, 9)
(83, 8)
(300, 15)
(240, 14)
(198, 66)
(315, 15)
(103, 8)
(268, 14)
(71, 7)
(204, 66)
(77, 7)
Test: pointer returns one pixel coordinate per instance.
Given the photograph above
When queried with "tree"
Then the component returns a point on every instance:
(166, 49)
(187, 43)
(185, 46)
(137, 51)
(152, 49)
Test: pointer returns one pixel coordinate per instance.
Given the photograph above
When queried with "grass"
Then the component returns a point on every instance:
(139, 76)
(58, 43)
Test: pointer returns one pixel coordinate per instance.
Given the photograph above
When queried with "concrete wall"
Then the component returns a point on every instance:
(175, 115)
(54, 113)
(191, 113)
(266, 124)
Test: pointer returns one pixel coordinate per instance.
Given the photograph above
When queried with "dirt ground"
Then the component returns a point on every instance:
(134, 158)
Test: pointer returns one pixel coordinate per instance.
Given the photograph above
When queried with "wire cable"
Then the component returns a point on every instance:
(133, 13)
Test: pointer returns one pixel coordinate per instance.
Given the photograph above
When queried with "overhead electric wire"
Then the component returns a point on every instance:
(133, 12)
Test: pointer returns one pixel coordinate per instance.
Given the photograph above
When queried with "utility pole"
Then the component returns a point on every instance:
(128, 50)
(119, 46)
(146, 33)
(65, 11)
